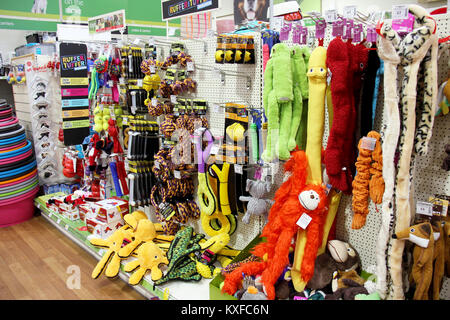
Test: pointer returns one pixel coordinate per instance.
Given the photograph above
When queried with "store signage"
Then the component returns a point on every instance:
(107, 22)
(179, 8)
(74, 92)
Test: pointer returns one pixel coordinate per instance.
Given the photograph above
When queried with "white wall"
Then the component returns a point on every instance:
(366, 6)
(11, 39)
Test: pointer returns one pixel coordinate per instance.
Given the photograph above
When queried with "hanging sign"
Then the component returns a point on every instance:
(179, 8)
(74, 92)
(107, 22)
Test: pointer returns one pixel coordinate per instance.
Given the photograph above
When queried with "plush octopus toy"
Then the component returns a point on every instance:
(292, 200)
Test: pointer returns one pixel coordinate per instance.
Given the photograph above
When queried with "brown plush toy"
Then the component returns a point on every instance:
(447, 246)
(339, 255)
(346, 285)
(422, 271)
(446, 164)
(439, 259)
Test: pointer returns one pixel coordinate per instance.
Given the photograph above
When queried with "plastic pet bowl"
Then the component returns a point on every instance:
(17, 210)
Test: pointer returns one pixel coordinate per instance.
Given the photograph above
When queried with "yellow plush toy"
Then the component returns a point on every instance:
(144, 231)
(317, 76)
(211, 248)
(149, 257)
(110, 262)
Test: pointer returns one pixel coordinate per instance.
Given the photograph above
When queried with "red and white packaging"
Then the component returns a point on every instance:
(111, 210)
(72, 215)
(102, 230)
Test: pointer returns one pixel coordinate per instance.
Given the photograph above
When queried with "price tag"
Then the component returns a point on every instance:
(424, 208)
(368, 143)
(110, 83)
(190, 66)
(238, 168)
(152, 68)
(154, 102)
(215, 149)
(66, 227)
(330, 15)
(304, 221)
(177, 174)
(125, 120)
(121, 80)
(399, 12)
(173, 99)
(58, 221)
(112, 114)
(157, 165)
(349, 12)
(139, 82)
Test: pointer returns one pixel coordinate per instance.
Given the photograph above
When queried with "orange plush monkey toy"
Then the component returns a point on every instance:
(422, 271)
(293, 199)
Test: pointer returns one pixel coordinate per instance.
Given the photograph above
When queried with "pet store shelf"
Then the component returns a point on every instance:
(177, 290)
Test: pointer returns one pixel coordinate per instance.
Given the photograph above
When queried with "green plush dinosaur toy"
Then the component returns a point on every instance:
(180, 265)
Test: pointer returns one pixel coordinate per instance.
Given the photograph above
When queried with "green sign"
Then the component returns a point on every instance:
(45, 14)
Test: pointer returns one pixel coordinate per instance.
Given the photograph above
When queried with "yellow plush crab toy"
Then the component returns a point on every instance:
(149, 257)
(110, 262)
(124, 243)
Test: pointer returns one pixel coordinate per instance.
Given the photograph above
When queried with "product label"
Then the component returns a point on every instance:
(304, 221)
(74, 81)
(75, 92)
(368, 143)
(399, 12)
(349, 12)
(424, 208)
(330, 15)
(75, 113)
(75, 103)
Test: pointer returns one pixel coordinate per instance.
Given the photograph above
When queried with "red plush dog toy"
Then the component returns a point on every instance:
(293, 199)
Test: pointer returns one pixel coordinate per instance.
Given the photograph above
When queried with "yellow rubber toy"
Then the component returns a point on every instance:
(206, 197)
(222, 179)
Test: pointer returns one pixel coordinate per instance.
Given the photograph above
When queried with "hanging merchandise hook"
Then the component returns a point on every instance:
(357, 33)
(338, 27)
(321, 25)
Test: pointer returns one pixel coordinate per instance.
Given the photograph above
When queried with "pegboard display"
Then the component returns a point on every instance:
(243, 85)
(429, 179)
(219, 84)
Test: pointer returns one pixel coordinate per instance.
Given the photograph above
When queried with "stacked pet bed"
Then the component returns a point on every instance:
(18, 170)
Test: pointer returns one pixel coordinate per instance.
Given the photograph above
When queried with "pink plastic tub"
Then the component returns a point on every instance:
(17, 210)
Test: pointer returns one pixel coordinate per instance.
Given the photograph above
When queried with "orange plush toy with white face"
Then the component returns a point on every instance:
(295, 202)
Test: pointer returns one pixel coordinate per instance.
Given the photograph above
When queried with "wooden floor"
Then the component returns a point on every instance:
(34, 262)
